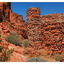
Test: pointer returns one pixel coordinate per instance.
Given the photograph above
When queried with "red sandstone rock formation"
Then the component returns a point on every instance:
(44, 32)
(33, 12)
(48, 30)
(10, 21)
(4, 13)
(18, 24)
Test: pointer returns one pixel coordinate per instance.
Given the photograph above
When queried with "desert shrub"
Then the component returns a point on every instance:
(0, 40)
(0, 34)
(58, 57)
(25, 42)
(10, 51)
(1, 48)
(6, 55)
(13, 33)
(13, 39)
(36, 59)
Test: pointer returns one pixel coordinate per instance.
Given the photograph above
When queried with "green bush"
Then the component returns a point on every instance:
(0, 40)
(58, 57)
(1, 48)
(6, 55)
(36, 59)
(25, 42)
(10, 51)
(0, 35)
(14, 33)
(13, 39)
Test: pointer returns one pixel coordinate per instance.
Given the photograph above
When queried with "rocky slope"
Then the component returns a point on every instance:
(18, 52)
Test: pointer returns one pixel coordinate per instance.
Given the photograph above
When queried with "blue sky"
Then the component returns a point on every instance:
(45, 7)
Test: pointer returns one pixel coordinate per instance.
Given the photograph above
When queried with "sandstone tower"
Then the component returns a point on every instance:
(33, 12)
(33, 27)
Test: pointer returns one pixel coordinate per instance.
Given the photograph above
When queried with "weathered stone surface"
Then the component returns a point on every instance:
(33, 12)
(11, 21)
(48, 29)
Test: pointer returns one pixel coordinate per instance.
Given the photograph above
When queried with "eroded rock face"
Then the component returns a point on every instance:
(4, 10)
(18, 25)
(11, 21)
(5, 13)
(48, 29)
